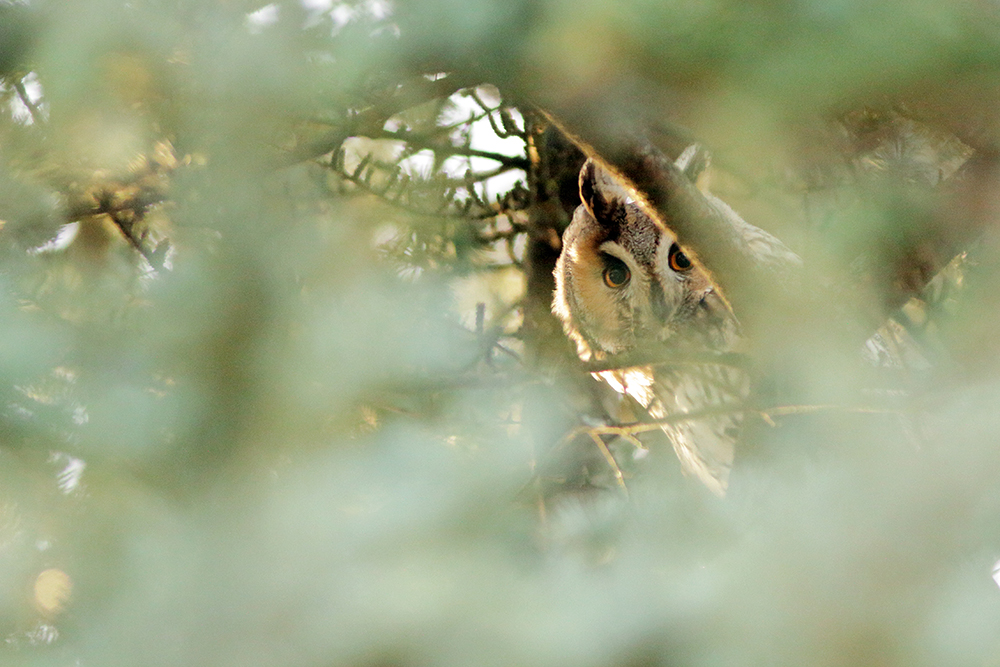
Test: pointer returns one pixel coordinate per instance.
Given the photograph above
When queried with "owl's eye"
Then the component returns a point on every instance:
(677, 259)
(616, 274)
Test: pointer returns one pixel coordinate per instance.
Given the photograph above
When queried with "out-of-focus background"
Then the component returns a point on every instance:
(280, 384)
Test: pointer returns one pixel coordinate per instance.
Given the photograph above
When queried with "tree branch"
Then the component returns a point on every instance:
(419, 141)
(22, 94)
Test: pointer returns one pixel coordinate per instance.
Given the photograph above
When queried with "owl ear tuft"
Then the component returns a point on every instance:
(603, 198)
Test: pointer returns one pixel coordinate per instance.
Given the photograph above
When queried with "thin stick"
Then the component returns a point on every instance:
(619, 477)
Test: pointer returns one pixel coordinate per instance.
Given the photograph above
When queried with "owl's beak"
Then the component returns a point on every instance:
(658, 303)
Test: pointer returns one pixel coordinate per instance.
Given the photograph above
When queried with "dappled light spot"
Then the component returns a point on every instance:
(71, 470)
(53, 589)
(43, 633)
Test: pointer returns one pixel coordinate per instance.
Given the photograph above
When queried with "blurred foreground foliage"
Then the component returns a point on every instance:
(281, 387)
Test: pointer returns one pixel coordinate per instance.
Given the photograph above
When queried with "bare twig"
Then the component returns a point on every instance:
(508, 129)
(22, 94)
(612, 463)
(372, 115)
(363, 182)
(420, 141)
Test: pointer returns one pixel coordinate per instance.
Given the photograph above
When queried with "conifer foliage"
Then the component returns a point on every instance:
(281, 384)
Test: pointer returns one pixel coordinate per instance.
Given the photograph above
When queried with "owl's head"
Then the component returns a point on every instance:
(621, 281)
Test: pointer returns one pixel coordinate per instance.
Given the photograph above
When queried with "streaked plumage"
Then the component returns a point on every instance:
(623, 285)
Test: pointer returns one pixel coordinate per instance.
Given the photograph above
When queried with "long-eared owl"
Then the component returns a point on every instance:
(623, 285)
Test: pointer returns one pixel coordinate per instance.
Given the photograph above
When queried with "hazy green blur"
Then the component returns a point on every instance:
(299, 447)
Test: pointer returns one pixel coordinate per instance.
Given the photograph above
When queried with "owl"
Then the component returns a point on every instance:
(624, 285)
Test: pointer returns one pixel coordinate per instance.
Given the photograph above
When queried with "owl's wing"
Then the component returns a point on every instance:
(699, 409)
(764, 247)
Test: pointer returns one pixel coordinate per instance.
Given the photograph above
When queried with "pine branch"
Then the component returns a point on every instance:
(36, 114)
(417, 140)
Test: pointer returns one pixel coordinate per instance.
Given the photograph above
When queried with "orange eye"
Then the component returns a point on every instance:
(616, 274)
(678, 260)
